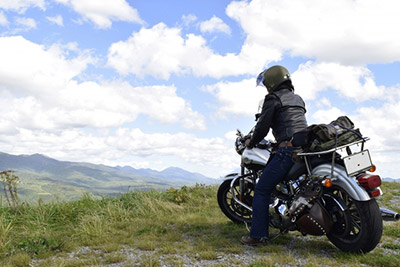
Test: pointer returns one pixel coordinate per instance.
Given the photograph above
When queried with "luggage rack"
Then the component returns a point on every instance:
(333, 151)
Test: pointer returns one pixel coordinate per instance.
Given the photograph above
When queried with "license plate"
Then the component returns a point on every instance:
(357, 162)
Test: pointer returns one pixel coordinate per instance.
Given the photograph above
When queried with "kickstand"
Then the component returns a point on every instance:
(278, 235)
(247, 226)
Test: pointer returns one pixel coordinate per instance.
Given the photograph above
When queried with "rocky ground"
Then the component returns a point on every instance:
(136, 257)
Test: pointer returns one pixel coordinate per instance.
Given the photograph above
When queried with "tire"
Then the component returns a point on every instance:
(356, 229)
(234, 211)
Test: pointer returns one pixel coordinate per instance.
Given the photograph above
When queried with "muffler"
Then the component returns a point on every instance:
(388, 215)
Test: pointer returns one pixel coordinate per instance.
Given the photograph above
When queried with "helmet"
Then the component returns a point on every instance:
(273, 77)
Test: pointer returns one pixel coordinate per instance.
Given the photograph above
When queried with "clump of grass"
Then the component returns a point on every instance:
(20, 259)
(5, 230)
(115, 257)
(149, 261)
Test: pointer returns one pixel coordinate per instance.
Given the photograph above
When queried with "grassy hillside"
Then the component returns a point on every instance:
(48, 179)
(165, 228)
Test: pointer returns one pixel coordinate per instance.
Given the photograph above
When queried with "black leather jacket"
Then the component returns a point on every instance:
(284, 112)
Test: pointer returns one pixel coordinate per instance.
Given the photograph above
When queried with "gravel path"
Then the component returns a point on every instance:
(136, 257)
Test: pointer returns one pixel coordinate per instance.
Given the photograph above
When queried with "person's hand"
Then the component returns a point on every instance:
(247, 142)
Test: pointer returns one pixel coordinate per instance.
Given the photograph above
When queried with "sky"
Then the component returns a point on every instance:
(162, 83)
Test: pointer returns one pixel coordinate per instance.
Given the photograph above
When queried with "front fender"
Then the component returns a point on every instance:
(230, 176)
(340, 178)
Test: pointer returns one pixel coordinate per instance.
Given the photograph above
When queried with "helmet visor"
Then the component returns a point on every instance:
(260, 78)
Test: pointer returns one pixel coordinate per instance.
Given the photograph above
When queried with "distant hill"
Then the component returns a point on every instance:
(47, 178)
(174, 173)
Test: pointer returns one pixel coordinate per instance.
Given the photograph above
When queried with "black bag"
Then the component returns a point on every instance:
(320, 137)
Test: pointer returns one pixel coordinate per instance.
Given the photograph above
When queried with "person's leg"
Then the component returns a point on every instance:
(271, 176)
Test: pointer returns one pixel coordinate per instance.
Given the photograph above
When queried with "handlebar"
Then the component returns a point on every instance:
(240, 142)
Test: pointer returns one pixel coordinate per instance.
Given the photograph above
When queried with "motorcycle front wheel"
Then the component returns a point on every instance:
(357, 224)
(229, 206)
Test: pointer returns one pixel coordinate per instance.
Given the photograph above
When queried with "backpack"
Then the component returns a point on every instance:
(320, 137)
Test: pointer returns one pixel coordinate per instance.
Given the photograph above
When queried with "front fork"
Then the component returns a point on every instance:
(244, 178)
(241, 184)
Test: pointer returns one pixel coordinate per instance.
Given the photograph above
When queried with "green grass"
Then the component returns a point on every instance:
(163, 224)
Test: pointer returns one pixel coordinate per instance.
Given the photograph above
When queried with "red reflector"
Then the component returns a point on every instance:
(375, 193)
(369, 181)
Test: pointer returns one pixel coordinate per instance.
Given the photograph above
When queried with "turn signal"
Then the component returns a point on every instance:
(373, 168)
(327, 182)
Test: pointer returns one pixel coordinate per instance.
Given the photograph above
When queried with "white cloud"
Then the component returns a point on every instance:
(214, 24)
(40, 92)
(326, 115)
(352, 82)
(382, 125)
(124, 146)
(161, 51)
(349, 32)
(187, 20)
(34, 69)
(103, 13)
(314, 30)
(56, 20)
(26, 23)
(238, 98)
(324, 102)
(157, 52)
(3, 19)
(21, 5)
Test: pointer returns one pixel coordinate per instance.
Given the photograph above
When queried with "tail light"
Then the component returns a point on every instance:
(371, 183)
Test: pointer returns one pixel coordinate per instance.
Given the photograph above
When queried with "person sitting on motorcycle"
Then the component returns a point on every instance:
(284, 113)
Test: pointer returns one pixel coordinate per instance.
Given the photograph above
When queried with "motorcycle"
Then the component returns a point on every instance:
(322, 194)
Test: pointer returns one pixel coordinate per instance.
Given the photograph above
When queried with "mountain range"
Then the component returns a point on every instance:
(48, 179)
(44, 178)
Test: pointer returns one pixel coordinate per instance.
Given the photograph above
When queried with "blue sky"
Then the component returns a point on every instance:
(154, 84)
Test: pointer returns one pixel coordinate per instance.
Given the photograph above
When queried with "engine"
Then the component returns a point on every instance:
(279, 215)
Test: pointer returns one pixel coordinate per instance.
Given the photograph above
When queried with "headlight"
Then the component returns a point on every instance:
(239, 146)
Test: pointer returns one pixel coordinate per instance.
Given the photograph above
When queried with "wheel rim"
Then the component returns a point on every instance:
(347, 226)
(237, 209)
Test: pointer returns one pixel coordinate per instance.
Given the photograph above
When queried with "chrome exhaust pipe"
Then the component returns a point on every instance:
(388, 215)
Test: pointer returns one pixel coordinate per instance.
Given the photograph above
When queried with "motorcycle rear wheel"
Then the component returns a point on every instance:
(356, 229)
(234, 211)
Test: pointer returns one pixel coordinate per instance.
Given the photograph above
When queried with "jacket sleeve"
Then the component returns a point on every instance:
(265, 120)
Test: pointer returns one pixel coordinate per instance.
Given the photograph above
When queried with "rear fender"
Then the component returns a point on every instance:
(340, 178)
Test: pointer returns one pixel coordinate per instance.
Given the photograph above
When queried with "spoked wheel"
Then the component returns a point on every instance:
(357, 224)
(229, 206)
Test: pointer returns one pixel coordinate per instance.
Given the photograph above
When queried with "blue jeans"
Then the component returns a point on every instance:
(273, 173)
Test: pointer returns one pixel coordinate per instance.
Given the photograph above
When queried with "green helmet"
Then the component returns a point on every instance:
(273, 77)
